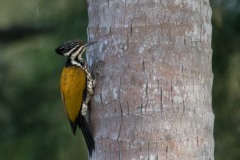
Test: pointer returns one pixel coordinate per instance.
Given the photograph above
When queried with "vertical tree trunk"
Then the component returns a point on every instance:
(153, 98)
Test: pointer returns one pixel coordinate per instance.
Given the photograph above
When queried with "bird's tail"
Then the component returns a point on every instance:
(84, 126)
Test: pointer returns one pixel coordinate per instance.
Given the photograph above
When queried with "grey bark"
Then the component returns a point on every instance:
(153, 95)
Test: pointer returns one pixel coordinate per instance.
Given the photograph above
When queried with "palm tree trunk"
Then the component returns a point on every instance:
(153, 96)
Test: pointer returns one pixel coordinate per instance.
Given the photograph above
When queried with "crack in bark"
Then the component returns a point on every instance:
(143, 66)
(148, 150)
(120, 129)
(131, 29)
(166, 150)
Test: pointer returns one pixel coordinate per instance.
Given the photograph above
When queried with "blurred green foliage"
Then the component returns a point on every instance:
(33, 123)
(226, 86)
(32, 119)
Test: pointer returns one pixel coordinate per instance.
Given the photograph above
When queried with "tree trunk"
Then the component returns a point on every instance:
(153, 95)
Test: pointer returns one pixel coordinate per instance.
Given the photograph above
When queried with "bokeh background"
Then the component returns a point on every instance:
(33, 124)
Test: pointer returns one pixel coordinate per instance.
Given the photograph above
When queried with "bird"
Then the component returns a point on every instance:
(77, 85)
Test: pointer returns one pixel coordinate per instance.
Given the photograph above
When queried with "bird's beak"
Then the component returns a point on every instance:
(89, 44)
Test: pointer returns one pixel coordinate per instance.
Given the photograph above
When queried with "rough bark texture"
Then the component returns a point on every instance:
(153, 97)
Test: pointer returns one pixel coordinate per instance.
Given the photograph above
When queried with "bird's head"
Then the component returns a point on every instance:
(73, 49)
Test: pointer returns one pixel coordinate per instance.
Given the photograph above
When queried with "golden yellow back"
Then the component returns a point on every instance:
(73, 82)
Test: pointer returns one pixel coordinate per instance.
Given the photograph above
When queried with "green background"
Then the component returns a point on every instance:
(33, 124)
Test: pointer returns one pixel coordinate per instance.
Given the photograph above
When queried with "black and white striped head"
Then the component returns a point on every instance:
(73, 49)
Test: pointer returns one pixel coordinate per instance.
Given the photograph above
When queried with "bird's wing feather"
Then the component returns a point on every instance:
(73, 83)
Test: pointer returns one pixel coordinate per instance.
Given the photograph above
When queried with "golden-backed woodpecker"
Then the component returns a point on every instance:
(77, 87)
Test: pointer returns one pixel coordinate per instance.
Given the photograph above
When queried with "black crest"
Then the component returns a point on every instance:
(67, 46)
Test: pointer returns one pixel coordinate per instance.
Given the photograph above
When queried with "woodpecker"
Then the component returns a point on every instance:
(77, 87)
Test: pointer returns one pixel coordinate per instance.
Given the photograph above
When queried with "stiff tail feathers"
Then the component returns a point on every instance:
(86, 131)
